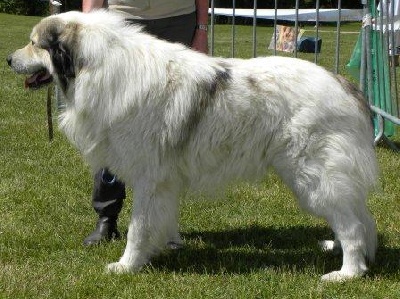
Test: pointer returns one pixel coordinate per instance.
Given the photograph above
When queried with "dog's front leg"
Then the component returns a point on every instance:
(154, 220)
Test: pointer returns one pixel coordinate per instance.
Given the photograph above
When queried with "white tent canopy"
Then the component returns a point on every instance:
(304, 15)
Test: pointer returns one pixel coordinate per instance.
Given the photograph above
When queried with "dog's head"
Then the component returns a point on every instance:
(49, 54)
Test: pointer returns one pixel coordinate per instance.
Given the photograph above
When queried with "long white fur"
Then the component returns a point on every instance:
(134, 107)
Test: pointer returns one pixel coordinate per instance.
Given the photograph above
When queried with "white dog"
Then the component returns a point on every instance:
(165, 119)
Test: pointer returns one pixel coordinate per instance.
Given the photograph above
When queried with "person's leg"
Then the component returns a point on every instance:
(108, 192)
(107, 200)
(174, 29)
(178, 29)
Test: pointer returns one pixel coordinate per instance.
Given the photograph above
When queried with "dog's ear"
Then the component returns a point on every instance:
(62, 59)
(59, 38)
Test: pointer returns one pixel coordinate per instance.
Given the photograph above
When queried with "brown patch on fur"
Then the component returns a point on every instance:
(204, 96)
(252, 82)
(355, 92)
(220, 81)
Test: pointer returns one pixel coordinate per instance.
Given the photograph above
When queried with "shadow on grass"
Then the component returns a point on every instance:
(387, 261)
(389, 144)
(250, 249)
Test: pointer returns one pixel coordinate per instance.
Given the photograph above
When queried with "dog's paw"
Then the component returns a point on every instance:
(174, 245)
(120, 268)
(330, 246)
(340, 276)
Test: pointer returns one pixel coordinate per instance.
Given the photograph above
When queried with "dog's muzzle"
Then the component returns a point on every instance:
(36, 80)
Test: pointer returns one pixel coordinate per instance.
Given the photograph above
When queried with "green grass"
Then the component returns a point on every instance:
(252, 243)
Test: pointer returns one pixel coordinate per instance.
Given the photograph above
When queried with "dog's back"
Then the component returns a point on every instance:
(265, 107)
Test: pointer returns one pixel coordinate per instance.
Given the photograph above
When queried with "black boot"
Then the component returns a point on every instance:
(106, 230)
(107, 199)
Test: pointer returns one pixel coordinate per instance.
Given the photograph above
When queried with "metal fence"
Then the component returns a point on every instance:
(379, 64)
(374, 59)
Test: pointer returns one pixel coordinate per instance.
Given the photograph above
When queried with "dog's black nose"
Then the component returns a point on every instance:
(9, 60)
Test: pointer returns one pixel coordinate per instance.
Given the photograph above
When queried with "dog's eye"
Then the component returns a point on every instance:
(32, 43)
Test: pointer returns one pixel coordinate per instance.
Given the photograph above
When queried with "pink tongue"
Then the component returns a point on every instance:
(31, 80)
(36, 79)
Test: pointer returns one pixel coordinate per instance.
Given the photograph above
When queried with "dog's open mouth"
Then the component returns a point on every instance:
(38, 79)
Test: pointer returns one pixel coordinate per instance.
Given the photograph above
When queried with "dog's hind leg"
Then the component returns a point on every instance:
(154, 223)
(332, 189)
(355, 229)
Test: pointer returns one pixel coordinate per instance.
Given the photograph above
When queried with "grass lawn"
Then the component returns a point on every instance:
(254, 242)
